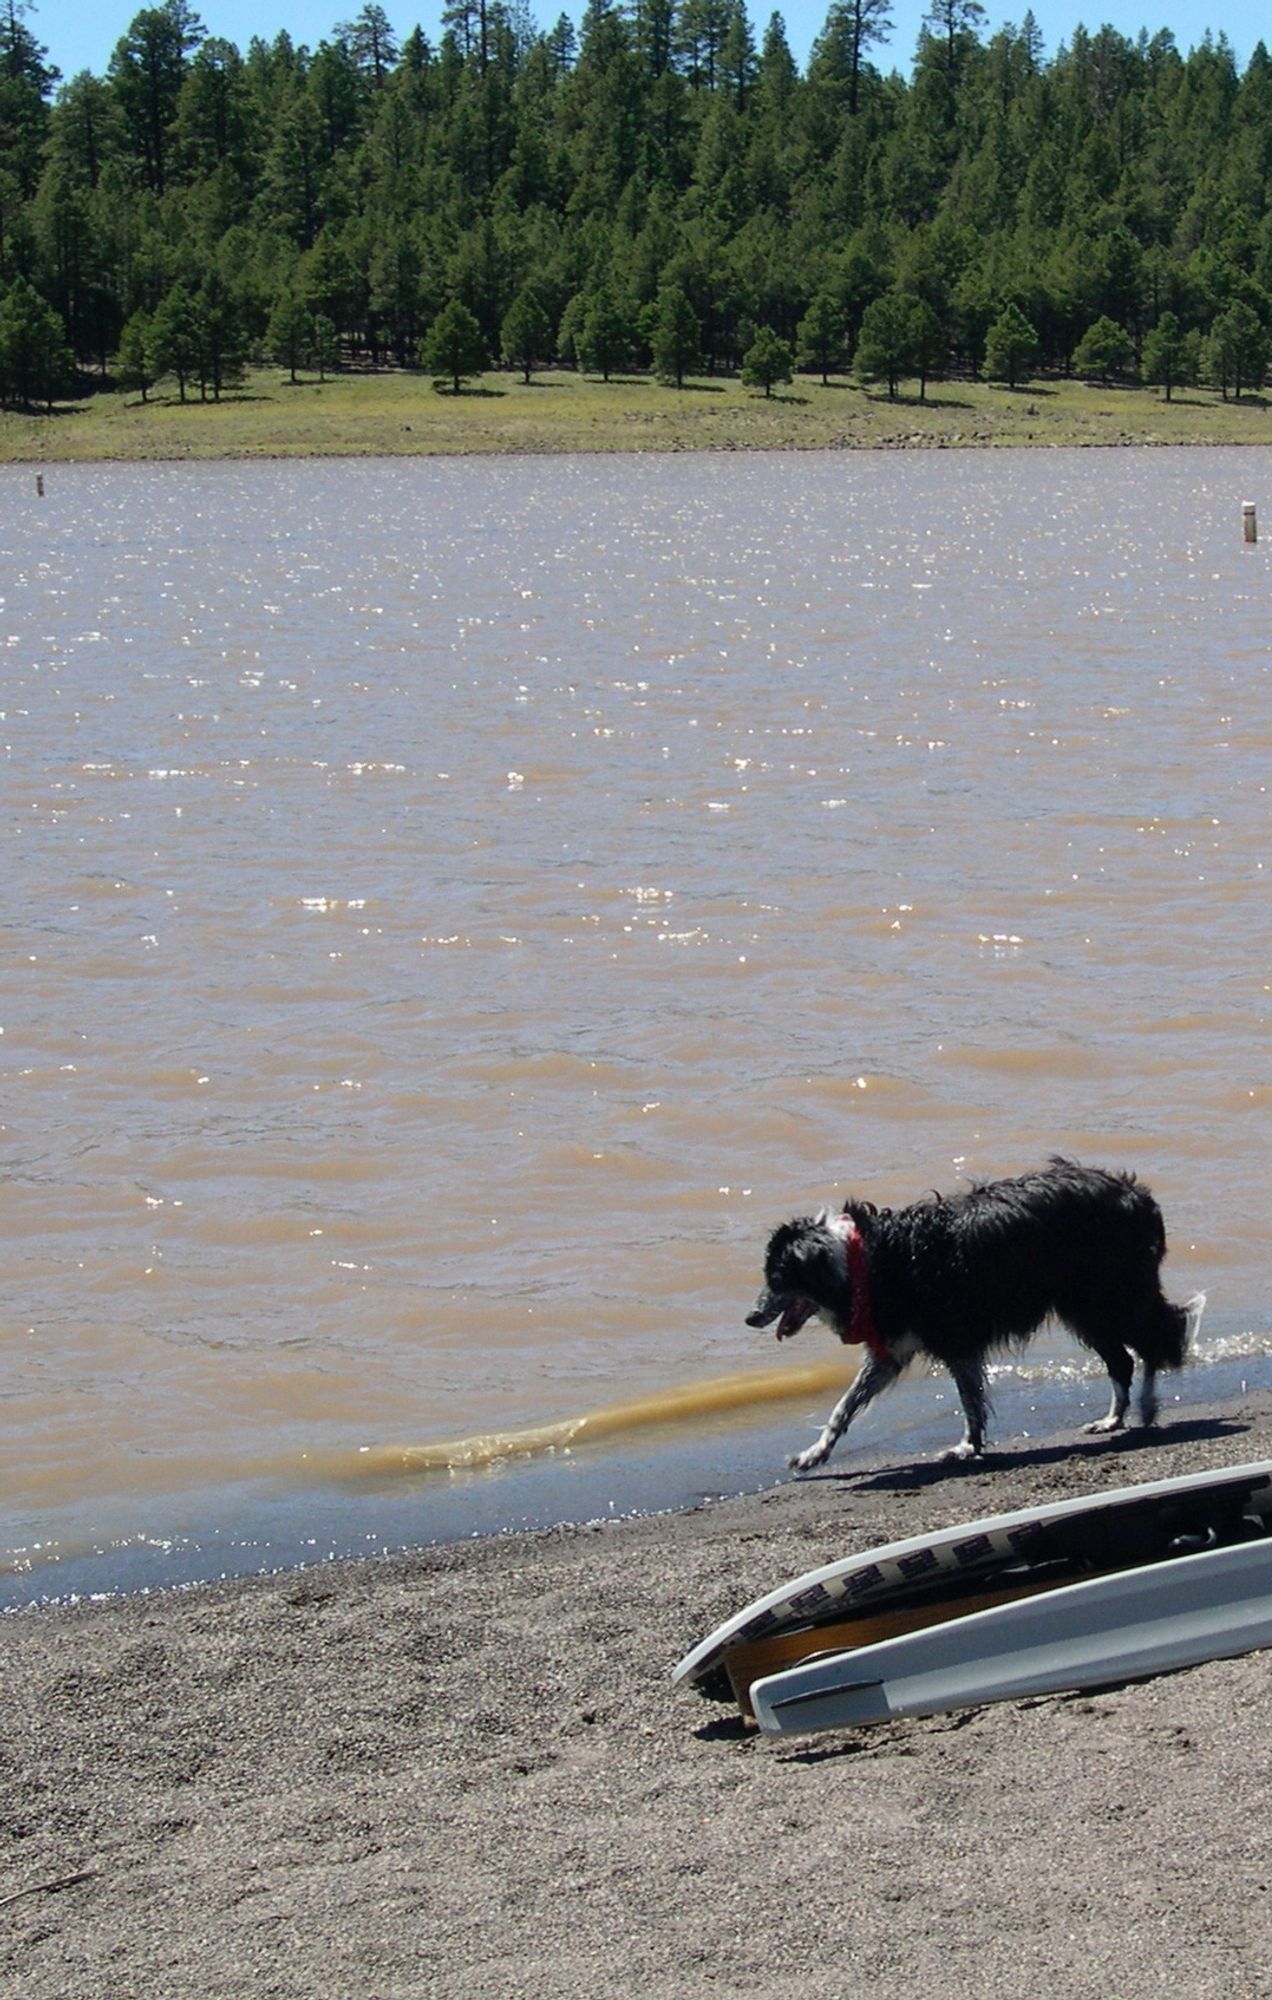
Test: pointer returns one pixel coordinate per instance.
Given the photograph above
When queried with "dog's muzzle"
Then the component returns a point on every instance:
(767, 1308)
(793, 1311)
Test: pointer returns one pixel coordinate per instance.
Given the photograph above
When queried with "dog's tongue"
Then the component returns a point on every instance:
(793, 1318)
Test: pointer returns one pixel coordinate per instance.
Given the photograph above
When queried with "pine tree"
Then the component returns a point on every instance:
(86, 132)
(953, 24)
(768, 359)
(885, 348)
(675, 336)
(27, 82)
(22, 57)
(328, 281)
(222, 335)
(928, 345)
(175, 338)
(213, 116)
(562, 45)
(289, 336)
(1011, 347)
(326, 346)
(777, 78)
(699, 30)
(147, 70)
(739, 64)
(70, 269)
(35, 357)
(651, 29)
(134, 362)
(454, 346)
(839, 54)
(290, 196)
(396, 285)
(821, 336)
(1105, 349)
(604, 341)
(1235, 355)
(526, 333)
(1166, 356)
(570, 330)
(372, 44)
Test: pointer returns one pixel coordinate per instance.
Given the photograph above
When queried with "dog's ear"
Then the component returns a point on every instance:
(788, 1243)
(822, 1217)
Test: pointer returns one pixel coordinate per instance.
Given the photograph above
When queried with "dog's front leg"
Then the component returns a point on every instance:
(969, 1380)
(874, 1375)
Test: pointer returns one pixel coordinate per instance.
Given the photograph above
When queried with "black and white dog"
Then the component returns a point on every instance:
(954, 1278)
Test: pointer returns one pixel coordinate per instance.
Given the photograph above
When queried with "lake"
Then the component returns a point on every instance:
(455, 908)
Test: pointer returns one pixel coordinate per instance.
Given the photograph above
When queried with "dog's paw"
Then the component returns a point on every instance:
(806, 1461)
(958, 1454)
(1103, 1426)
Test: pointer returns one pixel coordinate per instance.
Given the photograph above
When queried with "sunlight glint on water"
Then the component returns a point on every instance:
(455, 908)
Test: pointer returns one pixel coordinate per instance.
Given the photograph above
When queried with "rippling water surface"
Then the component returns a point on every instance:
(453, 909)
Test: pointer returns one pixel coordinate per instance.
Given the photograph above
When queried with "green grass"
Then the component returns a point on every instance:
(397, 414)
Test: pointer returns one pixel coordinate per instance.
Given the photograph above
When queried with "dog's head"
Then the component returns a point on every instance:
(801, 1274)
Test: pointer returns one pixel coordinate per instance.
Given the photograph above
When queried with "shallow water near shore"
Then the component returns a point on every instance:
(456, 908)
(260, 1527)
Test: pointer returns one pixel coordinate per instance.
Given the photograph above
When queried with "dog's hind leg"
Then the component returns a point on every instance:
(1121, 1366)
(969, 1380)
(875, 1374)
(1098, 1323)
(1116, 1418)
(1182, 1323)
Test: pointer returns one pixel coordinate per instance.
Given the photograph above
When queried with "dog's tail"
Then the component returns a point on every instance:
(1178, 1330)
(1195, 1307)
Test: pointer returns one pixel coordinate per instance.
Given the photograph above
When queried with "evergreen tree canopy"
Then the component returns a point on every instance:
(885, 348)
(928, 346)
(174, 337)
(821, 335)
(527, 333)
(134, 363)
(1105, 349)
(659, 182)
(768, 359)
(675, 336)
(454, 345)
(1168, 359)
(1011, 347)
(34, 357)
(604, 340)
(290, 333)
(1236, 352)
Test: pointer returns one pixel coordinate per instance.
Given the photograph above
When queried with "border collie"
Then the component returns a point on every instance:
(953, 1278)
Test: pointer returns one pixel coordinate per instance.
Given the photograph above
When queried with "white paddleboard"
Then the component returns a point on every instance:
(1114, 1628)
(1121, 1529)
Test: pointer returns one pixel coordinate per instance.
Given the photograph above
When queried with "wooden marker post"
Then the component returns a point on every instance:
(1249, 522)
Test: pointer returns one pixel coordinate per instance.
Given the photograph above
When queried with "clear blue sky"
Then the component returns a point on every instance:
(81, 36)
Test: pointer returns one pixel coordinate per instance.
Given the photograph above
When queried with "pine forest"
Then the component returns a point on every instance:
(663, 189)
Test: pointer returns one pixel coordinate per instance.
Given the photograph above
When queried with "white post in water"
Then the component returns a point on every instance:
(1249, 522)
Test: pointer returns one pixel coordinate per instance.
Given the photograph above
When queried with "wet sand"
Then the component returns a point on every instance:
(465, 1772)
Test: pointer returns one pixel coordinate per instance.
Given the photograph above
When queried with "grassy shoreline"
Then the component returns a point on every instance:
(402, 415)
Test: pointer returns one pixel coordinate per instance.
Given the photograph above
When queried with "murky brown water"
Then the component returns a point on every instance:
(453, 909)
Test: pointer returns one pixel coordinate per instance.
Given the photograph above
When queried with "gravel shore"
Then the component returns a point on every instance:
(465, 1772)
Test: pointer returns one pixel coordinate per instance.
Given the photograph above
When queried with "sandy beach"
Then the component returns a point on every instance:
(465, 1772)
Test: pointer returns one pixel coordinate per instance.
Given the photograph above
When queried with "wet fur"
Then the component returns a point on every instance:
(954, 1278)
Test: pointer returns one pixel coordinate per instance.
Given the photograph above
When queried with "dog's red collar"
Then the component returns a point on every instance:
(862, 1331)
